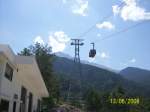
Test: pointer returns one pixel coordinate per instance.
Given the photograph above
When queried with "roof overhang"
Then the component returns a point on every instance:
(4, 57)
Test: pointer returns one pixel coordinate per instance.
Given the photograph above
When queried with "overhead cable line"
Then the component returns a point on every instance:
(123, 30)
(94, 25)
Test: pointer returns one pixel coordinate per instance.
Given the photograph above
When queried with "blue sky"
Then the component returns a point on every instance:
(55, 22)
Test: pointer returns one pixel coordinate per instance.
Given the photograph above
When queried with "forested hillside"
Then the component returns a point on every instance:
(138, 75)
(98, 85)
(93, 77)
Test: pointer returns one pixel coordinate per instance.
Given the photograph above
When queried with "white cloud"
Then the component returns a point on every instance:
(64, 1)
(133, 60)
(103, 55)
(116, 9)
(92, 60)
(131, 11)
(99, 35)
(100, 55)
(105, 25)
(39, 40)
(58, 41)
(61, 36)
(80, 7)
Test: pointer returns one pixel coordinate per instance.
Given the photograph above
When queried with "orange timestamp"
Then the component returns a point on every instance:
(125, 101)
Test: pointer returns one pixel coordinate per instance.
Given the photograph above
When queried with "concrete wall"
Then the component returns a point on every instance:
(9, 88)
(28, 76)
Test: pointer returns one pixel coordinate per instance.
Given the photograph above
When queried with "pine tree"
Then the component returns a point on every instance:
(44, 59)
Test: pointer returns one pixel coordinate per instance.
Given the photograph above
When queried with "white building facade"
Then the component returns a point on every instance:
(21, 84)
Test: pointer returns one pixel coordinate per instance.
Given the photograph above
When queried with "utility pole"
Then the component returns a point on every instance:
(77, 43)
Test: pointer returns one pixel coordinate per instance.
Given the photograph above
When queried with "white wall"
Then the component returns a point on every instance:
(2, 67)
(9, 88)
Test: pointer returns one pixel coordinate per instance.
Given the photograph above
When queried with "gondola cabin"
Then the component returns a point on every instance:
(92, 52)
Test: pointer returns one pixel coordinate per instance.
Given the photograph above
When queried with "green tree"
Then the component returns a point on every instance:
(25, 52)
(44, 59)
(93, 100)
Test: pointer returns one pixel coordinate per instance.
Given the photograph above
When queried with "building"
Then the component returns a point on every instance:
(21, 83)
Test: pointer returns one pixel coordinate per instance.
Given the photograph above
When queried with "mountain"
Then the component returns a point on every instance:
(99, 66)
(138, 75)
(92, 77)
(61, 54)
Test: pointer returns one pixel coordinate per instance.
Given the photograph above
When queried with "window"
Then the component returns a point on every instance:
(30, 102)
(8, 72)
(23, 99)
(14, 107)
(4, 106)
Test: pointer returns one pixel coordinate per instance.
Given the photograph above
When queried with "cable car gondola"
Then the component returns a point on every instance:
(92, 52)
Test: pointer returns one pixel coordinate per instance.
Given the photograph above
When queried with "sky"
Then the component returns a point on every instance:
(56, 22)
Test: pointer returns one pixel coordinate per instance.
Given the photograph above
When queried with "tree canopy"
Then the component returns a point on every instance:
(44, 59)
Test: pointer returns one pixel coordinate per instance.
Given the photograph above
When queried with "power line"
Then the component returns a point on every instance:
(94, 25)
(122, 31)
(106, 17)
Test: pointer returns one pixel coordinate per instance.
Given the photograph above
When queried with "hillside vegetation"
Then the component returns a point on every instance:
(98, 85)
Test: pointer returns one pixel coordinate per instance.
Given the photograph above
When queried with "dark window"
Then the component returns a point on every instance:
(4, 106)
(30, 102)
(8, 72)
(23, 99)
(39, 106)
(14, 107)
